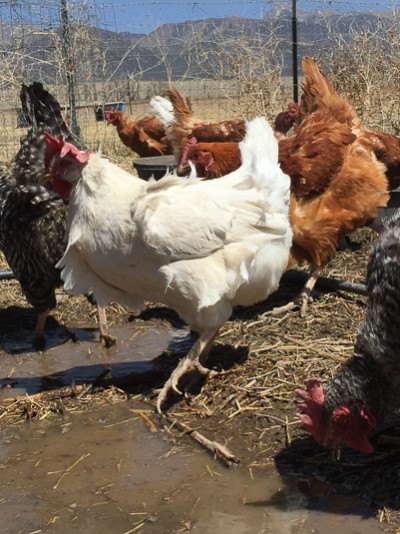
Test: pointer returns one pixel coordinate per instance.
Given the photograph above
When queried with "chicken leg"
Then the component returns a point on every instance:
(301, 301)
(193, 361)
(38, 340)
(106, 339)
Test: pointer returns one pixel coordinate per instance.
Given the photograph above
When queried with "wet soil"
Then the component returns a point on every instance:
(104, 472)
(104, 461)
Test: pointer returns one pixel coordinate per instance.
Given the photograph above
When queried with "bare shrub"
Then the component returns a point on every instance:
(252, 61)
(365, 67)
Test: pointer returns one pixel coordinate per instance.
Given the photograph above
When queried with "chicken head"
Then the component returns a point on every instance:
(345, 426)
(113, 117)
(59, 155)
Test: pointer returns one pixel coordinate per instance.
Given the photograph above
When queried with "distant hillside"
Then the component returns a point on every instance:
(173, 50)
(182, 49)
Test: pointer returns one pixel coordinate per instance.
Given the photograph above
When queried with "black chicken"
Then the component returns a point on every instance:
(366, 388)
(32, 217)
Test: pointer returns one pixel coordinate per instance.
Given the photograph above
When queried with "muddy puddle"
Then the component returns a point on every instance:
(104, 471)
(24, 370)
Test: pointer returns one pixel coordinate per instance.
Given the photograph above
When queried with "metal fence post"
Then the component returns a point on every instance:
(294, 53)
(70, 66)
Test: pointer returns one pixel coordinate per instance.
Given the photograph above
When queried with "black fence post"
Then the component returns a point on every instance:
(294, 53)
(70, 66)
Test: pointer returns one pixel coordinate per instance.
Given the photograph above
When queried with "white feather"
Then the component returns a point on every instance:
(197, 246)
(163, 109)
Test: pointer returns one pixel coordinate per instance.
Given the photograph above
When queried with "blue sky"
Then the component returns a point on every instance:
(139, 16)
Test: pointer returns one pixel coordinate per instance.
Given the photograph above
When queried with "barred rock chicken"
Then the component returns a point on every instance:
(338, 180)
(366, 388)
(198, 247)
(144, 136)
(32, 218)
(182, 126)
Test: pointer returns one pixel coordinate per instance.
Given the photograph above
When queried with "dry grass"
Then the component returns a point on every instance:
(98, 135)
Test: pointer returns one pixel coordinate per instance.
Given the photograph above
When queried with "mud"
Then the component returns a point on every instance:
(107, 463)
(105, 471)
(65, 362)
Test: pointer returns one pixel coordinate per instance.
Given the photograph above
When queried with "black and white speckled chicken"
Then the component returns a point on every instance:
(32, 217)
(366, 388)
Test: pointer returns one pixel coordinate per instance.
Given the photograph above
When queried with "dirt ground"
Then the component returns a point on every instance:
(248, 407)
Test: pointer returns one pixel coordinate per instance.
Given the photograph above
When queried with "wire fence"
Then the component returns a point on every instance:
(232, 58)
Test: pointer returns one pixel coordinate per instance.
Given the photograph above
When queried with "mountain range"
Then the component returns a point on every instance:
(187, 50)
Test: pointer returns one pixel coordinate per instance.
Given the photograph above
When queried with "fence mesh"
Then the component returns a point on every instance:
(232, 58)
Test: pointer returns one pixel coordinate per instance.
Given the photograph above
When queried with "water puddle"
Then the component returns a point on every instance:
(103, 471)
(67, 362)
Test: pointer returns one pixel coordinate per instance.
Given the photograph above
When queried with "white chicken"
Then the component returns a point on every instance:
(196, 246)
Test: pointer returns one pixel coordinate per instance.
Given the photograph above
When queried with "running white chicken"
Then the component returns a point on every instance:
(196, 246)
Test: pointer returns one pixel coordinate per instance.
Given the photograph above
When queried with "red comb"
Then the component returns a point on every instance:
(54, 146)
(189, 144)
(312, 400)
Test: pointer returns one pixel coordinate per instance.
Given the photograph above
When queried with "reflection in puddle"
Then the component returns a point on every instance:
(84, 361)
(104, 472)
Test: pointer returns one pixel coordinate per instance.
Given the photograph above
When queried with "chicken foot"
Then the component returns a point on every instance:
(301, 301)
(192, 362)
(106, 339)
(39, 340)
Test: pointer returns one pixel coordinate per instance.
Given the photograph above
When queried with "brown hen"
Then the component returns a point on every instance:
(182, 125)
(340, 174)
(144, 136)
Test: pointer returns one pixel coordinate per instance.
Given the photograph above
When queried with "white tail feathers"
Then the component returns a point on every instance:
(259, 142)
(259, 151)
(163, 110)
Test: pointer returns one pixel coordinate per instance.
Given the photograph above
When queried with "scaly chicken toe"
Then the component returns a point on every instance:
(280, 310)
(301, 302)
(192, 363)
(39, 340)
(185, 367)
(107, 340)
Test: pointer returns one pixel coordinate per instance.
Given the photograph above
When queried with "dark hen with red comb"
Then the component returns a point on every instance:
(367, 387)
(42, 113)
(32, 218)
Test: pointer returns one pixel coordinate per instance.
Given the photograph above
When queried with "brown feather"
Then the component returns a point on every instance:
(186, 126)
(339, 171)
(386, 148)
(225, 159)
(319, 94)
(144, 136)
